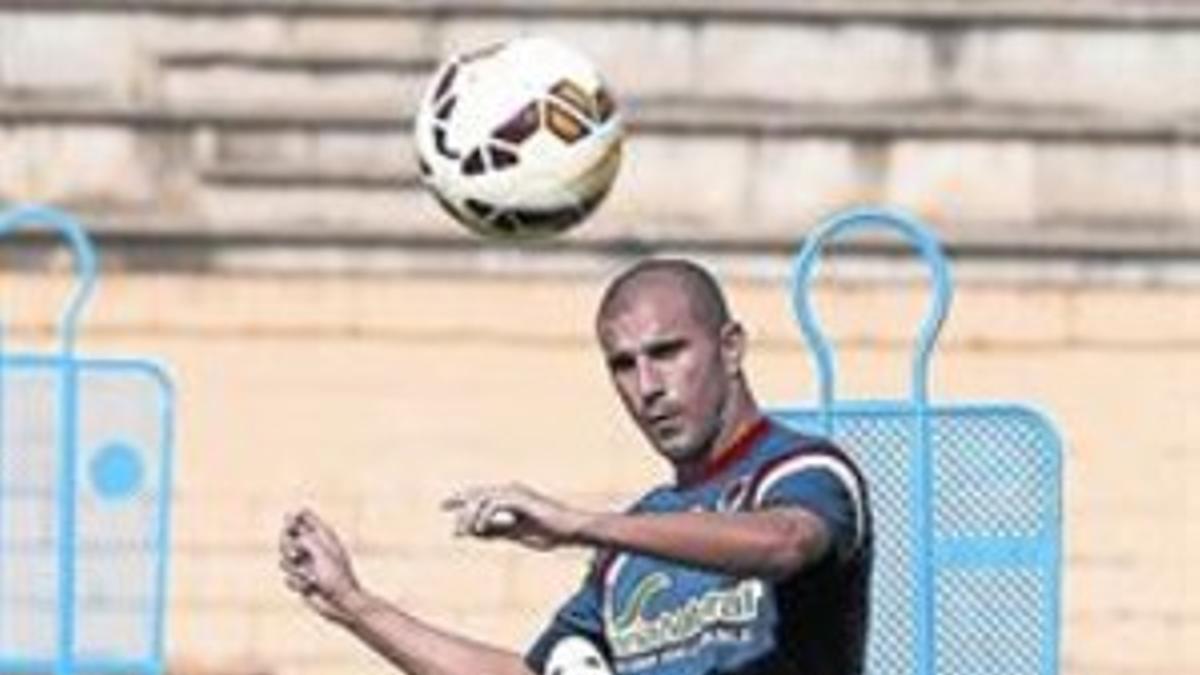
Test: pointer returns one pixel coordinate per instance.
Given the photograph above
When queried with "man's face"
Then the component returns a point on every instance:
(672, 372)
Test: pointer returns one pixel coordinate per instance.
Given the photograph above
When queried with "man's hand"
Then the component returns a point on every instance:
(517, 513)
(316, 566)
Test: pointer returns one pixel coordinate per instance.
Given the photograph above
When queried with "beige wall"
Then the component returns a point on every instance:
(372, 399)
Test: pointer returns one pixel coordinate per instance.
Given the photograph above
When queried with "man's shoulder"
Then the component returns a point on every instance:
(785, 440)
(789, 451)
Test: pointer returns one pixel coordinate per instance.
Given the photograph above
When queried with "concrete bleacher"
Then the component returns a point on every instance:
(1069, 126)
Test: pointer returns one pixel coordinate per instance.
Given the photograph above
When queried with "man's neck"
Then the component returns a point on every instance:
(744, 414)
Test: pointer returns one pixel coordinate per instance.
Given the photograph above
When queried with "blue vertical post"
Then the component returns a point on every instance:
(67, 516)
(158, 648)
(922, 464)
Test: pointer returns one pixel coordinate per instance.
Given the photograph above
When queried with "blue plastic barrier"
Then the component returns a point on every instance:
(966, 497)
(85, 474)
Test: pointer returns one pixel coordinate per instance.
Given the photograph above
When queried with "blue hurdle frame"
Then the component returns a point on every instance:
(1038, 551)
(70, 368)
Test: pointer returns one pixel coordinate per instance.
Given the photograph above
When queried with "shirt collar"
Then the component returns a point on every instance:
(737, 449)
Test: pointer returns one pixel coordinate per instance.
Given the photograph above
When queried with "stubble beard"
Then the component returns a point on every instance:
(680, 449)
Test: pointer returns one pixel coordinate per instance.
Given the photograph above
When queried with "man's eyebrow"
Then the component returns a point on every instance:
(664, 345)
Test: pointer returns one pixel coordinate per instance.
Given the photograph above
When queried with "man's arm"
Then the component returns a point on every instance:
(772, 543)
(317, 566)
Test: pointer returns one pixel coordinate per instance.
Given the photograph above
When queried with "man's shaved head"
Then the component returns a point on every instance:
(675, 356)
(706, 302)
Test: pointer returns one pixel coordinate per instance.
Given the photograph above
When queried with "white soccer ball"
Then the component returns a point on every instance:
(519, 139)
(574, 655)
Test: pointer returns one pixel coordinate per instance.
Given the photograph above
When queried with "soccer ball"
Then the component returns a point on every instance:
(574, 655)
(519, 139)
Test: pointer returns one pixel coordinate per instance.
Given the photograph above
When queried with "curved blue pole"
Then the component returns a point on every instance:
(921, 467)
(55, 220)
(804, 268)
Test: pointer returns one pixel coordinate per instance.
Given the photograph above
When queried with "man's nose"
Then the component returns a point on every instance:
(649, 381)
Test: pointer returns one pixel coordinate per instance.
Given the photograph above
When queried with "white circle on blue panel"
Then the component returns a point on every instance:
(116, 470)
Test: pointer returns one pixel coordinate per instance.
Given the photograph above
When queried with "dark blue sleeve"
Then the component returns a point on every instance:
(824, 484)
(580, 615)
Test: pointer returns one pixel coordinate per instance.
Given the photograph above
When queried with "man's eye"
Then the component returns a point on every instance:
(620, 363)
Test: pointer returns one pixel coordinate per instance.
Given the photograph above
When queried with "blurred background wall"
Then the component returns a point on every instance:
(336, 341)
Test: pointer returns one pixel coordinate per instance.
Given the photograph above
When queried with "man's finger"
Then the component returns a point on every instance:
(463, 517)
(463, 503)
(488, 504)
(295, 564)
(293, 551)
(480, 511)
(294, 583)
(475, 523)
(465, 496)
(307, 520)
(503, 518)
(496, 517)
(299, 581)
(288, 567)
(312, 532)
(294, 522)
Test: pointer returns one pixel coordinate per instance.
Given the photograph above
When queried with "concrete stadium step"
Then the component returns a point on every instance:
(122, 53)
(401, 177)
(668, 116)
(349, 203)
(1087, 12)
(1108, 182)
(846, 60)
(343, 201)
(418, 223)
(768, 212)
(424, 226)
(822, 62)
(311, 80)
(1107, 55)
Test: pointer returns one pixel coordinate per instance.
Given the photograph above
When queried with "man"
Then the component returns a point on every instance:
(754, 559)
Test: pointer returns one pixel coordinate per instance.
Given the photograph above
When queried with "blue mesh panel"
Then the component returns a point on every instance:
(996, 544)
(1004, 455)
(119, 525)
(28, 512)
(992, 621)
(119, 496)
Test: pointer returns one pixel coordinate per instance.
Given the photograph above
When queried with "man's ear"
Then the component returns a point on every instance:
(733, 347)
